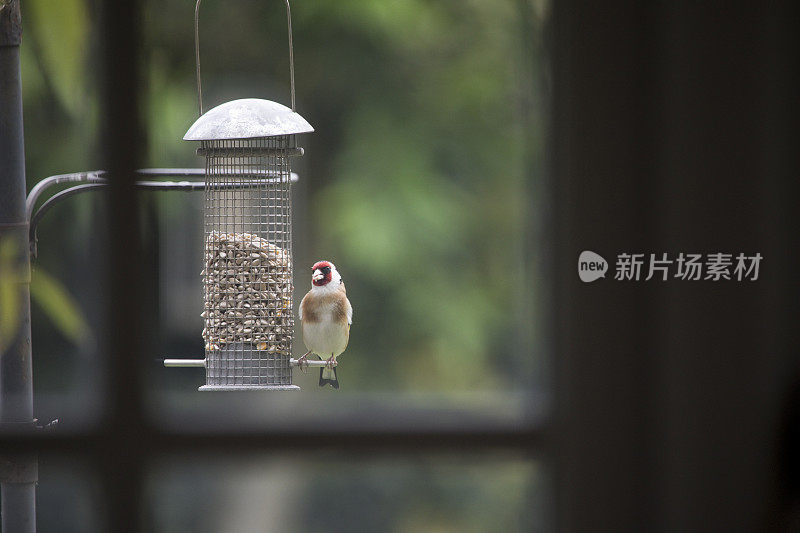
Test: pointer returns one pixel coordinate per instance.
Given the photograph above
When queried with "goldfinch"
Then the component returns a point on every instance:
(326, 315)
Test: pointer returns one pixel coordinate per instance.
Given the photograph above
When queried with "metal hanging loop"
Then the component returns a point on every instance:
(197, 53)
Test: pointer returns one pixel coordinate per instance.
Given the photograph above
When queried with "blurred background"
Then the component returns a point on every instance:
(208, 493)
(416, 181)
(671, 127)
(421, 182)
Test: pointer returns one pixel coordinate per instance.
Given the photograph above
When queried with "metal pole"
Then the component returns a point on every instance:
(18, 473)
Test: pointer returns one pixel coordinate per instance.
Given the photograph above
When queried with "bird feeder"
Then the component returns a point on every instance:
(248, 146)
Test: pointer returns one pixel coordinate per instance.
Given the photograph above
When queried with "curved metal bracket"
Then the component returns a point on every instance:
(39, 188)
(197, 53)
(96, 179)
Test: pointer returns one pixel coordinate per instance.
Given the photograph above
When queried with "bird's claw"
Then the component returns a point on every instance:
(331, 363)
(302, 364)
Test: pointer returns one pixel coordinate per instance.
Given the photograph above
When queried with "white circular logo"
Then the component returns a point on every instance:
(591, 266)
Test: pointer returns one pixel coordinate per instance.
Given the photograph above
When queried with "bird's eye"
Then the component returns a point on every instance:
(326, 270)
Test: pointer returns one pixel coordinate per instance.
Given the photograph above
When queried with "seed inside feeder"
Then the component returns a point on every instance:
(248, 291)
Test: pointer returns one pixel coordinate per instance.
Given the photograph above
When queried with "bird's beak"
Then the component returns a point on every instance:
(318, 275)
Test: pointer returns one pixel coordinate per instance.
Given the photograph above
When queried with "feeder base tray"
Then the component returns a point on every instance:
(213, 388)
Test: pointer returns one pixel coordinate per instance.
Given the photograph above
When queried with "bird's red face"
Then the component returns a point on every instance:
(321, 273)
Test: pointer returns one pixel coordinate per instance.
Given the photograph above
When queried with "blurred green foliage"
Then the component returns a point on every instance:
(62, 41)
(417, 181)
(425, 202)
(49, 294)
(60, 307)
(10, 278)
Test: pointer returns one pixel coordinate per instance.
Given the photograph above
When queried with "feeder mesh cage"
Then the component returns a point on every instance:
(247, 275)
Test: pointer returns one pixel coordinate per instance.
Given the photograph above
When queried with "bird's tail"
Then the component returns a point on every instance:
(327, 376)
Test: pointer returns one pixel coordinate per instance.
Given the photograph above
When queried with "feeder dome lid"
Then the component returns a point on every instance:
(247, 118)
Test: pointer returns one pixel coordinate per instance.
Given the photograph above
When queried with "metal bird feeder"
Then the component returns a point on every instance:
(248, 145)
(247, 272)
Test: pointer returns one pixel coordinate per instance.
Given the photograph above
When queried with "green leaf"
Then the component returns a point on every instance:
(9, 292)
(59, 307)
(61, 31)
